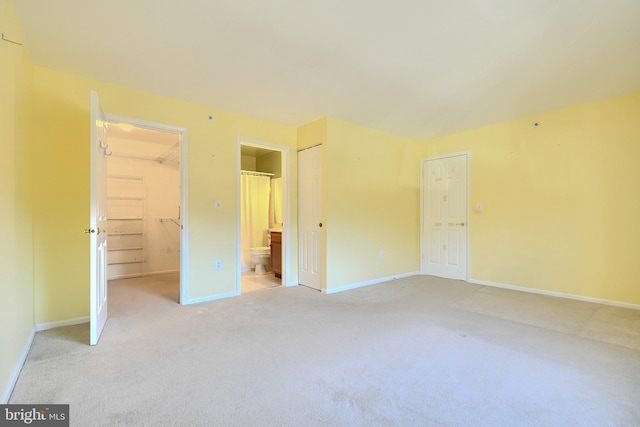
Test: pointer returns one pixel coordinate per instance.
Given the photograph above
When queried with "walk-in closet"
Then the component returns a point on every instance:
(143, 202)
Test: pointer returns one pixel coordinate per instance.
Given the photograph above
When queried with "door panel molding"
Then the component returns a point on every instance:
(98, 311)
(436, 242)
(310, 222)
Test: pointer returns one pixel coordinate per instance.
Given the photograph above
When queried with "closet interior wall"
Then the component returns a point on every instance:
(143, 209)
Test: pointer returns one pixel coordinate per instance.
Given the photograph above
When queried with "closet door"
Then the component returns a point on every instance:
(444, 210)
(310, 217)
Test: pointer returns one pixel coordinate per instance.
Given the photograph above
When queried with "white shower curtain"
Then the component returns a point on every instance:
(254, 214)
(275, 207)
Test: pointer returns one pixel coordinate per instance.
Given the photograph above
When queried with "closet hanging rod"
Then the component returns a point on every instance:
(141, 157)
(176, 221)
(256, 173)
(10, 41)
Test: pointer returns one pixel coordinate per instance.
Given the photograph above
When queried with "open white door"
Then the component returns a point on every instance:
(310, 217)
(98, 230)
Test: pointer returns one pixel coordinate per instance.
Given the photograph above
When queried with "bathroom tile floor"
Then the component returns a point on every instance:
(255, 282)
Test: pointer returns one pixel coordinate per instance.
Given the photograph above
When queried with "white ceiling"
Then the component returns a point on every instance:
(414, 68)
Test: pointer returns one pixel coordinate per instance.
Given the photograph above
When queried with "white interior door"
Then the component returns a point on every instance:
(98, 229)
(310, 217)
(444, 210)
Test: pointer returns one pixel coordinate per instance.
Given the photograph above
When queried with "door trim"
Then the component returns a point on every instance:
(184, 193)
(285, 156)
(423, 210)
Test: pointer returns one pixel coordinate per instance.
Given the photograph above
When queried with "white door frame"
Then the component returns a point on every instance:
(423, 200)
(184, 210)
(286, 207)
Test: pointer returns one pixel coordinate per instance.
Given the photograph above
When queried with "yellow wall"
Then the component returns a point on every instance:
(62, 187)
(16, 284)
(270, 163)
(561, 205)
(371, 202)
(248, 163)
(312, 134)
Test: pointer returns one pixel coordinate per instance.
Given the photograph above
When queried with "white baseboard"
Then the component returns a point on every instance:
(210, 298)
(16, 372)
(369, 282)
(411, 274)
(556, 294)
(68, 322)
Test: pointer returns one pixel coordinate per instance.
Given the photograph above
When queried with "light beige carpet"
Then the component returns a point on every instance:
(419, 351)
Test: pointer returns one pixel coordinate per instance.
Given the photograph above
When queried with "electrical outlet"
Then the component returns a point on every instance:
(218, 264)
(381, 254)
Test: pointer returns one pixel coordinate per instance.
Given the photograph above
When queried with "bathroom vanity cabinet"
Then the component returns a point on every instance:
(276, 253)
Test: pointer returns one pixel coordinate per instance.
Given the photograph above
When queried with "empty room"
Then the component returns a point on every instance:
(349, 213)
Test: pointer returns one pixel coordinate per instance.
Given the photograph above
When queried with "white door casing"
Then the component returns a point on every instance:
(98, 226)
(286, 208)
(184, 207)
(310, 217)
(444, 216)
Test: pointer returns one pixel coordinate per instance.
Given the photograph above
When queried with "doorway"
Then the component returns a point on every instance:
(263, 190)
(146, 209)
(444, 216)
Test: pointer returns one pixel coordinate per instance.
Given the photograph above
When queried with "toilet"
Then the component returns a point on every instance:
(261, 256)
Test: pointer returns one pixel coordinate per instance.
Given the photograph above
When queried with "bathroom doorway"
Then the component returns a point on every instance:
(262, 236)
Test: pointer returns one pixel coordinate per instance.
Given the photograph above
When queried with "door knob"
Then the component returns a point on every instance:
(320, 225)
(460, 223)
(97, 231)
